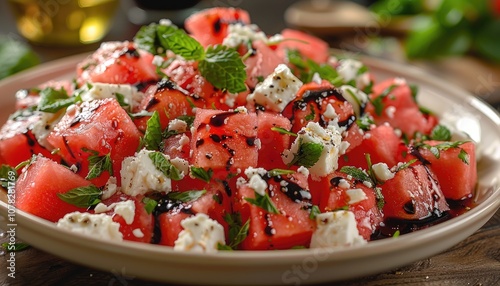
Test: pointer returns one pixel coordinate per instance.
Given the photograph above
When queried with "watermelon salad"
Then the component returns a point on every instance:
(220, 137)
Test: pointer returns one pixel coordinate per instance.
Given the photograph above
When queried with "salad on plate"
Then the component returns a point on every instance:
(224, 138)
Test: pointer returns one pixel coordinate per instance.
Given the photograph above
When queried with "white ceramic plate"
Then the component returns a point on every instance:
(457, 108)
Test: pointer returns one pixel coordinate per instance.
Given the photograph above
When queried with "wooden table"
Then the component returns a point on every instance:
(475, 261)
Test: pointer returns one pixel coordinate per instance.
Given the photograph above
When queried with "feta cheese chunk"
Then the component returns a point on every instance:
(349, 70)
(131, 95)
(239, 33)
(356, 196)
(126, 209)
(382, 172)
(356, 97)
(140, 175)
(200, 234)
(330, 138)
(277, 90)
(100, 226)
(336, 229)
(44, 126)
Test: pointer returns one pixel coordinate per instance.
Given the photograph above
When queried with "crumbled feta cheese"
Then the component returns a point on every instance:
(139, 175)
(258, 184)
(399, 81)
(250, 171)
(304, 171)
(316, 78)
(126, 209)
(277, 90)
(131, 95)
(110, 188)
(239, 33)
(99, 226)
(200, 234)
(241, 109)
(177, 125)
(357, 98)
(344, 145)
(158, 60)
(138, 233)
(336, 229)
(389, 111)
(356, 196)
(344, 184)
(182, 165)
(44, 126)
(348, 69)
(382, 172)
(330, 138)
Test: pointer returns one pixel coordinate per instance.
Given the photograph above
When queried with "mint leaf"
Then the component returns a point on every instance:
(163, 165)
(146, 38)
(98, 164)
(308, 154)
(82, 197)
(52, 100)
(378, 101)
(462, 155)
(379, 197)
(201, 173)
(356, 173)
(263, 202)
(283, 131)
(314, 212)
(177, 41)
(153, 135)
(7, 175)
(441, 133)
(15, 56)
(149, 204)
(237, 231)
(186, 196)
(280, 172)
(224, 69)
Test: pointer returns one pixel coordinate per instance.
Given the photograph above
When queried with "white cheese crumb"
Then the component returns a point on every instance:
(44, 126)
(304, 171)
(110, 188)
(126, 209)
(139, 175)
(330, 138)
(138, 233)
(389, 111)
(165, 22)
(355, 97)
(382, 172)
(348, 69)
(158, 60)
(258, 184)
(356, 196)
(330, 112)
(277, 90)
(177, 125)
(131, 95)
(336, 229)
(99, 226)
(344, 184)
(200, 234)
(239, 33)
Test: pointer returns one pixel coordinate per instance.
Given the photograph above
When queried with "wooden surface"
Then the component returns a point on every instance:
(473, 262)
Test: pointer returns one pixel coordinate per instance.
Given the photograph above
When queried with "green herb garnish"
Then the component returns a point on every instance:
(82, 197)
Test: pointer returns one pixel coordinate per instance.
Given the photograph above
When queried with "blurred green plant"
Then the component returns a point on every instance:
(15, 56)
(450, 27)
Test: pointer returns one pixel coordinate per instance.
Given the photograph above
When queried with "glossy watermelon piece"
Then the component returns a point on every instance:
(272, 143)
(308, 45)
(18, 142)
(414, 194)
(224, 141)
(381, 143)
(261, 63)
(169, 102)
(38, 185)
(142, 227)
(215, 203)
(395, 105)
(456, 177)
(118, 63)
(291, 227)
(98, 127)
(336, 195)
(210, 26)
